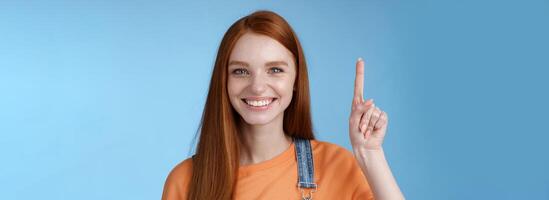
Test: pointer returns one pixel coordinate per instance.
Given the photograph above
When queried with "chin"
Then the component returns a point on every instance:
(254, 120)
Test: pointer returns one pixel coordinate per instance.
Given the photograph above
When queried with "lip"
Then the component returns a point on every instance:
(255, 108)
(258, 98)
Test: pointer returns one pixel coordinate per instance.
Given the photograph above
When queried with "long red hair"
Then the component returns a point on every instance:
(216, 161)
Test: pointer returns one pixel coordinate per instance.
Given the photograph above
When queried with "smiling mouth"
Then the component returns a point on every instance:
(259, 103)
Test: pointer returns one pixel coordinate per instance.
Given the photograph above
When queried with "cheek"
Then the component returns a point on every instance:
(285, 87)
(233, 87)
(233, 90)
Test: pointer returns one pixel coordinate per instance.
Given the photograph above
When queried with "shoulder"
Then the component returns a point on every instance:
(329, 152)
(177, 182)
(339, 167)
(181, 171)
(332, 157)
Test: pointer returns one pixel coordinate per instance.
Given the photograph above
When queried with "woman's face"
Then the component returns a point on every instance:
(261, 78)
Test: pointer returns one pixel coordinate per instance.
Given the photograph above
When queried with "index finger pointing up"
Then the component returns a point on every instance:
(359, 81)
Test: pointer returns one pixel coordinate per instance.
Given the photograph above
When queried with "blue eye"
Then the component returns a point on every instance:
(240, 71)
(277, 70)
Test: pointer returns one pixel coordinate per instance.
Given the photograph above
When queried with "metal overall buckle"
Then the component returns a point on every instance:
(307, 193)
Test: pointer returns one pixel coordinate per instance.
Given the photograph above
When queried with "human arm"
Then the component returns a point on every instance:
(367, 129)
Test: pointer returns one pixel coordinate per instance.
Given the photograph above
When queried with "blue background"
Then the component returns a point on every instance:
(100, 99)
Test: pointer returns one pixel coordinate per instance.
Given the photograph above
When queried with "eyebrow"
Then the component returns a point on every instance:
(268, 64)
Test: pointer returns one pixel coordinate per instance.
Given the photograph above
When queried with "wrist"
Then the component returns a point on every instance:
(366, 157)
(362, 151)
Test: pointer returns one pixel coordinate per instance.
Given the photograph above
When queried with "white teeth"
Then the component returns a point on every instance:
(259, 103)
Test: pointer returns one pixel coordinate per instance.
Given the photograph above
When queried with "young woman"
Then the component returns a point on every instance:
(256, 138)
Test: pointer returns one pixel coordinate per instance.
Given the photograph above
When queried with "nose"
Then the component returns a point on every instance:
(259, 84)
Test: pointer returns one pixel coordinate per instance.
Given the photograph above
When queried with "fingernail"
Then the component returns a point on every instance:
(363, 128)
(359, 58)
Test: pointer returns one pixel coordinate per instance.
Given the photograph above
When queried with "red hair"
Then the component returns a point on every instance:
(216, 161)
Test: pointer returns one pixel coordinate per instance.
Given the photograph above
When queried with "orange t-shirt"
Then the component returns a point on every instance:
(337, 175)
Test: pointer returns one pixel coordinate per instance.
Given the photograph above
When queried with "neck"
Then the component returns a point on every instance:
(263, 142)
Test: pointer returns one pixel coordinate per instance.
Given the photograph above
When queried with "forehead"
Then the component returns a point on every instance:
(257, 49)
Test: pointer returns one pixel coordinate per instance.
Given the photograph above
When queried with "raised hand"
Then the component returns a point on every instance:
(367, 123)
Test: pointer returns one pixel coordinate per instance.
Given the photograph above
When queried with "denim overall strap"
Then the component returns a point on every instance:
(305, 166)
